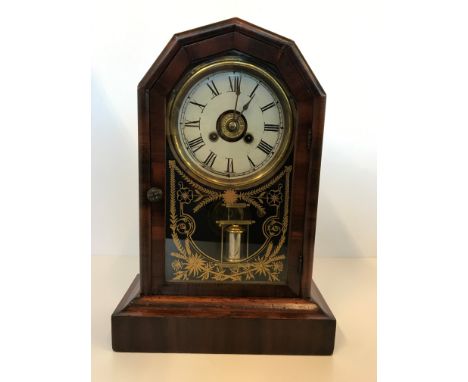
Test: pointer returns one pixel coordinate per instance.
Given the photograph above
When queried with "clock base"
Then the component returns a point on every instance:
(234, 325)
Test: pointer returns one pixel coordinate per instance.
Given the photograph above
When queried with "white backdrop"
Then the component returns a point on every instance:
(337, 40)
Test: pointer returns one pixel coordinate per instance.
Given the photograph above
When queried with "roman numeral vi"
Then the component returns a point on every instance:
(230, 165)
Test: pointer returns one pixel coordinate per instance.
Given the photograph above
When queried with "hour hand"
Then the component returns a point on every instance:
(246, 106)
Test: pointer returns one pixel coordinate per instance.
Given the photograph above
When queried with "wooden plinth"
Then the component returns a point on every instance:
(231, 325)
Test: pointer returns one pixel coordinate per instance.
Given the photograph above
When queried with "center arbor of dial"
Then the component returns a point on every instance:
(231, 126)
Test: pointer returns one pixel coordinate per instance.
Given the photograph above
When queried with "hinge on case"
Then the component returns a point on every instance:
(299, 264)
(309, 138)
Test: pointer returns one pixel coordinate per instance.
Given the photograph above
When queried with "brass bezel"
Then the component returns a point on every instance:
(178, 95)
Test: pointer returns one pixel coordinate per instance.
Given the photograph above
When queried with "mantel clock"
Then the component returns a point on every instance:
(230, 137)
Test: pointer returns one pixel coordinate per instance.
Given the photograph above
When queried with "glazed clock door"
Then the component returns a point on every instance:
(229, 160)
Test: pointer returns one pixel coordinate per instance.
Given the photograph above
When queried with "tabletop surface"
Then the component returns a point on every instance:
(347, 284)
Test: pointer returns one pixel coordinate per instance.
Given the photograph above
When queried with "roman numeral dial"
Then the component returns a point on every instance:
(234, 83)
(271, 127)
(196, 144)
(214, 90)
(268, 106)
(210, 159)
(230, 124)
(201, 106)
(265, 147)
(192, 124)
(230, 165)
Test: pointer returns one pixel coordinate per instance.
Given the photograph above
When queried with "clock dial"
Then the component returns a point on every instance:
(231, 124)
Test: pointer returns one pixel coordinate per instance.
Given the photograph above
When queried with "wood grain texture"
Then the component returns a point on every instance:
(183, 52)
(187, 324)
(157, 316)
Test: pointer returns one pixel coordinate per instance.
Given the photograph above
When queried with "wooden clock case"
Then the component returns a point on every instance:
(156, 316)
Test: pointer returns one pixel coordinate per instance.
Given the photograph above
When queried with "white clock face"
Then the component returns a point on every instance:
(231, 124)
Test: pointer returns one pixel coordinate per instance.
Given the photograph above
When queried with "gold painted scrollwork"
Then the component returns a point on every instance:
(190, 263)
(272, 227)
(185, 225)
